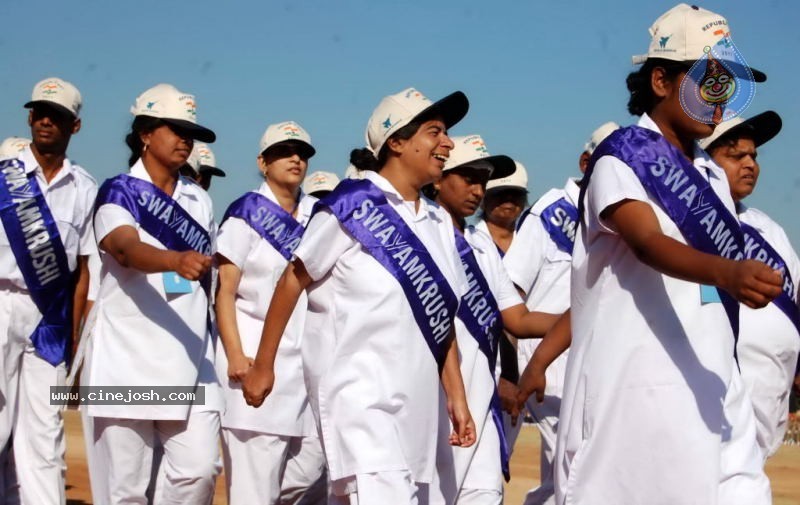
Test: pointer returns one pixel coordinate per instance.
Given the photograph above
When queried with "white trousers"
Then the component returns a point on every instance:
(381, 488)
(479, 497)
(28, 422)
(546, 416)
(272, 469)
(191, 458)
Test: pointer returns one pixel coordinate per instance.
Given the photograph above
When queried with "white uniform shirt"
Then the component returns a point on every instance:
(142, 336)
(478, 467)
(372, 379)
(769, 343)
(649, 368)
(285, 411)
(70, 196)
(538, 267)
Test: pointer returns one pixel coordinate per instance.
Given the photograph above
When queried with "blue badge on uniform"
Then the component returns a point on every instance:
(174, 284)
(709, 294)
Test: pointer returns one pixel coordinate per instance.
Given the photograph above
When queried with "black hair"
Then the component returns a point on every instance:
(141, 124)
(363, 159)
(430, 192)
(642, 99)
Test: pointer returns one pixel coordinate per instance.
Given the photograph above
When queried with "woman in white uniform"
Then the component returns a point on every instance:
(155, 231)
(383, 278)
(474, 475)
(768, 338)
(653, 408)
(256, 240)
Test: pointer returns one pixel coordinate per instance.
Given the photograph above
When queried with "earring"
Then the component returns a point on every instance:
(144, 149)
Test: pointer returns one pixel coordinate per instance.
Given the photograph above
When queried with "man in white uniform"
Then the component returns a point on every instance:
(28, 368)
(538, 263)
(768, 338)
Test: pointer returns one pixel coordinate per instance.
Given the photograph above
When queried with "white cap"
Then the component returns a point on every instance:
(12, 146)
(202, 160)
(762, 128)
(600, 135)
(287, 131)
(396, 111)
(351, 172)
(472, 150)
(684, 33)
(519, 179)
(58, 92)
(319, 181)
(175, 107)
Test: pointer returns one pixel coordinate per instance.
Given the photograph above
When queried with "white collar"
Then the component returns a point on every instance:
(425, 206)
(701, 158)
(29, 161)
(182, 187)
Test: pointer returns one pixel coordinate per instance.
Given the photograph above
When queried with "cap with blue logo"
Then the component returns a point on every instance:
(471, 151)
(286, 132)
(57, 93)
(396, 111)
(166, 102)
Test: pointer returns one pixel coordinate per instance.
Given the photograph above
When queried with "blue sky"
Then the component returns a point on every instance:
(540, 76)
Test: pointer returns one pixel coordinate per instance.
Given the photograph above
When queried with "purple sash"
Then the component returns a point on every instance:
(757, 248)
(481, 316)
(560, 219)
(363, 211)
(41, 258)
(269, 220)
(159, 215)
(683, 193)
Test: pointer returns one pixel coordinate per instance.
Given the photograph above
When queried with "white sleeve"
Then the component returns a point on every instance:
(612, 181)
(525, 257)
(109, 217)
(503, 289)
(235, 241)
(323, 243)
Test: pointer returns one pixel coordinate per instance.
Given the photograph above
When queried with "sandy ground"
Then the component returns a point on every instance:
(783, 469)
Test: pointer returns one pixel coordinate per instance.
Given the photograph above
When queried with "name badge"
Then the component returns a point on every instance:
(709, 294)
(174, 284)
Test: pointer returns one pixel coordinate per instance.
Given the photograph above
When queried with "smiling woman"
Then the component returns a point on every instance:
(382, 274)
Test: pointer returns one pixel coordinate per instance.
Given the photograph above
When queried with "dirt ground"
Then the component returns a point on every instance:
(783, 469)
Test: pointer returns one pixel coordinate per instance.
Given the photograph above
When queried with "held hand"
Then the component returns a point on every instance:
(257, 384)
(508, 392)
(752, 282)
(464, 432)
(238, 366)
(191, 265)
(531, 381)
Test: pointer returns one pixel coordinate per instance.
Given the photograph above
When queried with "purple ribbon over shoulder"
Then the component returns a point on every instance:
(481, 316)
(756, 247)
(159, 215)
(269, 220)
(364, 212)
(682, 192)
(36, 243)
(560, 220)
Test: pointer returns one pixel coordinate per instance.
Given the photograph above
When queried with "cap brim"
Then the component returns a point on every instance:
(503, 166)
(207, 169)
(54, 105)
(758, 75)
(762, 127)
(196, 131)
(451, 108)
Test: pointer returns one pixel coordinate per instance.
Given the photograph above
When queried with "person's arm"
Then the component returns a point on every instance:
(225, 308)
(555, 342)
(124, 244)
(79, 298)
(453, 384)
(749, 281)
(258, 382)
(522, 323)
